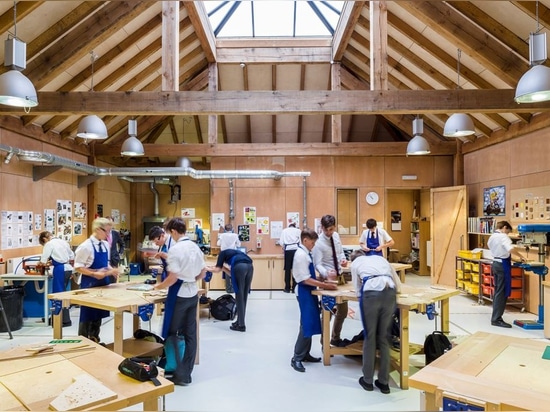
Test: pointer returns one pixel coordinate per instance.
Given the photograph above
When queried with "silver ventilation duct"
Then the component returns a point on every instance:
(44, 159)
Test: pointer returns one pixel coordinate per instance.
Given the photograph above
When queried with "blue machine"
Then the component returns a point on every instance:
(535, 235)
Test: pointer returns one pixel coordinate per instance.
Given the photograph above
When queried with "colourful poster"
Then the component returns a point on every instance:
(250, 215)
(263, 226)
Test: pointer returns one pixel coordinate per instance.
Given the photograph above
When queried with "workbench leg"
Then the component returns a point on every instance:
(445, 327)
(402, 275)
(404, 352)
(119, 336)
(325, 341)
(427, 401)
(57, 321)
(152, 404)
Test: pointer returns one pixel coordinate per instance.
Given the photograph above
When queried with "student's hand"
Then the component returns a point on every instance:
(343, 263)
(330, 286)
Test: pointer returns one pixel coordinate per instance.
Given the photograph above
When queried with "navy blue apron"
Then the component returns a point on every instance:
(101, 260)
(507, 268)
(309, 305)
(58, 284)
(373, 243)
(171, 299)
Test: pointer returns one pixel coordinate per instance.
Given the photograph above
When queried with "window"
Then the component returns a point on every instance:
(346, 211)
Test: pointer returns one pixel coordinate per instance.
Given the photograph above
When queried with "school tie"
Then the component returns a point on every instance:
(100, 246)
(372, 235)
(334, 258)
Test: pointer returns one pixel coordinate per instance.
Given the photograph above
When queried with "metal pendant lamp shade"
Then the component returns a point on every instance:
(418, 145)
(183, 162)
(132, 146)
(459, 125)
(534, 85)
(17, 90)
(92, 127)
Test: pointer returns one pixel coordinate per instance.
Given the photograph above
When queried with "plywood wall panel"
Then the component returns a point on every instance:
(358, 171)
(443, 171)
(494, 163)
(322, 171)
(367, 211)
(471, 168)
(396, 167)
(529, 154)
(320, 201)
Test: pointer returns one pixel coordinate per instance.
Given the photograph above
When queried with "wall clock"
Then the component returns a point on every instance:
(372, 198)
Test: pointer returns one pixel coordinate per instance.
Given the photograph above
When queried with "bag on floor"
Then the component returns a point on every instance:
(223, 308)
(174, 348)
(436, 345)
(141, 369)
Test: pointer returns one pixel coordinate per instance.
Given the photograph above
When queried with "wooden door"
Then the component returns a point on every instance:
(449, 212)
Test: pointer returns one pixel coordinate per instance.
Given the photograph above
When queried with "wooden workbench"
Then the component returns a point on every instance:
(411, 298)
(493, 371)
(31, 381)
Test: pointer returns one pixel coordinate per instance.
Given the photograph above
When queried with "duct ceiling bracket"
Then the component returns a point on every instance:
(40, 172)
(86, 180)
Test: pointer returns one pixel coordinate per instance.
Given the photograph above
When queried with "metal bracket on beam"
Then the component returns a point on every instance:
(40, 172)
(86, 180)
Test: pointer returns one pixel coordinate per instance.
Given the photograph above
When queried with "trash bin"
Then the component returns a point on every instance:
(12, 301)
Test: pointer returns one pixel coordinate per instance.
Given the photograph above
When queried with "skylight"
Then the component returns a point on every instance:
(273, 18)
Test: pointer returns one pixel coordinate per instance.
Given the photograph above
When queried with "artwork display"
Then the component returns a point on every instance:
(494, 201)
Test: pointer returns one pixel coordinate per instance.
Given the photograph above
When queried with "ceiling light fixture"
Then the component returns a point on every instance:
(459, 124)
(534, 85)
(91, 127)
(418, 145)
(15, 88)
(132, 146)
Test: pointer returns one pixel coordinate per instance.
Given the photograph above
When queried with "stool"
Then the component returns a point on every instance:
(393, 255)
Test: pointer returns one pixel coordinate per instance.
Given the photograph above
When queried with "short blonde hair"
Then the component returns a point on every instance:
(101, 223)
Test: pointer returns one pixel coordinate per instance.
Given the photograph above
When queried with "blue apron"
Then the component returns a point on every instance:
(171, 299)
(101, 260)
(310, 318)
(58, 284)
(507, 268)
(373, 243)
(233, 277)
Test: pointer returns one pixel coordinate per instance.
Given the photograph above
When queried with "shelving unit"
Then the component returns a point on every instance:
(479, 230)
(420, 234)
(473, 276)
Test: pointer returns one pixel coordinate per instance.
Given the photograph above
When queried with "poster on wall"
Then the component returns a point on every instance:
(396, 221)
(188, 212)
(115, 215)
(64, 220)
(494, 201)
(317, 225)
(262, 227)
(293, 217)
(77, 229)
(38, 221)
(250, 215)
(276, 229)
(49, 220)
(218, 220)
(79, 211)
(244, 233)
(194, 223)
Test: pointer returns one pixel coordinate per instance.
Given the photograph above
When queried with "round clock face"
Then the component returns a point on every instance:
(372, 198)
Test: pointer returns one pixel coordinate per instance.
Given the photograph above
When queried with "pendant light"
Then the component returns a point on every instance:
(15, 88)
(459, 124)
(91, 127)
(418, 145)
(132, 146)
(534, 85)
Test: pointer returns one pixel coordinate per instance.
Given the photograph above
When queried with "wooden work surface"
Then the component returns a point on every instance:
(114, 298)
(400, 268)
(411, 298)
(499, 372)
(31, 381)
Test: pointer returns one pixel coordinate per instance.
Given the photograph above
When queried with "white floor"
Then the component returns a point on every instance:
(251, 371)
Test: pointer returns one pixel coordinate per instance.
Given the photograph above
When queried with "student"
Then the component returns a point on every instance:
(310, 314)
(164, 242)
(242, 271)
(228, 240)
(374, 240)
(501, 248)
(289, 241)
(59, 252)
(92, 263)
(185, 266)
(376, 284)
(329, 258)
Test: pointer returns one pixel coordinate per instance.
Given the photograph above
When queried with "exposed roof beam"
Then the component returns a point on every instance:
(203, 30)
(280, 102)
(276, 55)
(348, 18)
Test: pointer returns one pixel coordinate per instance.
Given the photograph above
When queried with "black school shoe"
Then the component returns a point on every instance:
(383, 388)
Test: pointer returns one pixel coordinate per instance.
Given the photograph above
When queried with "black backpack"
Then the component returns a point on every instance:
(223, 308)
(436, 345)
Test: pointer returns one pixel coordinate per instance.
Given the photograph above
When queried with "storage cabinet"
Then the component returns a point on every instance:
(420, 234)
(473, 276)
(268, 274)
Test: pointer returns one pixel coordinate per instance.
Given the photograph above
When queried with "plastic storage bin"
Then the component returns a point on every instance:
(12, 301)
(468, 254)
